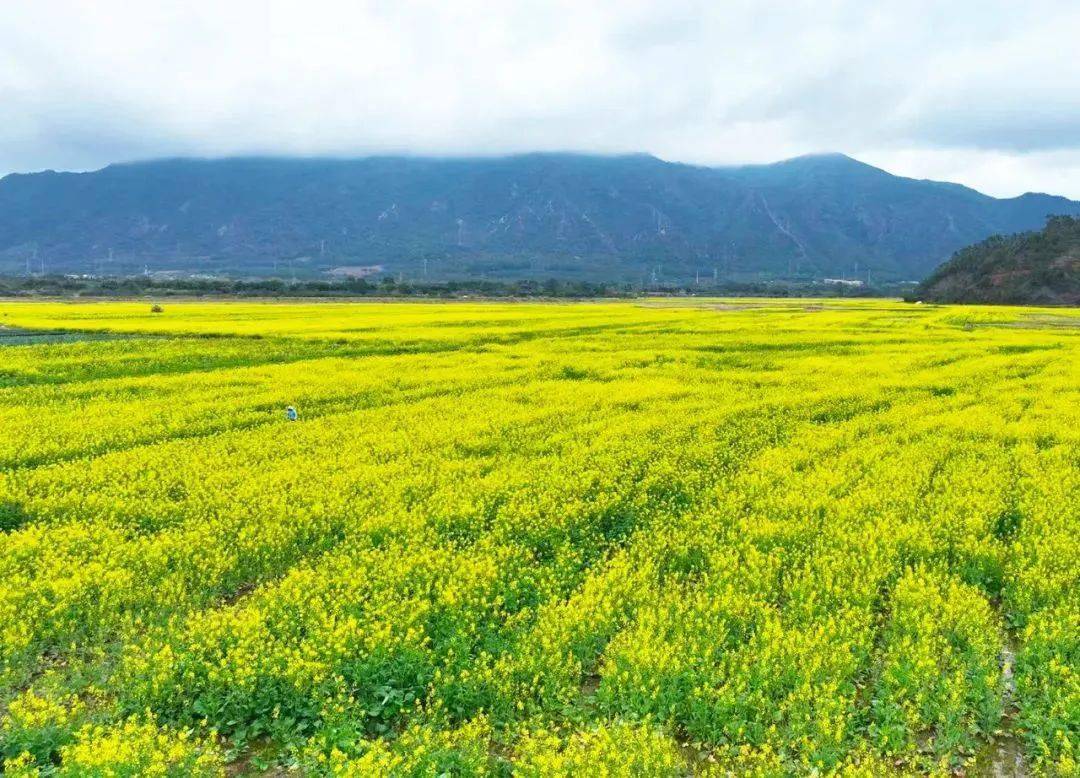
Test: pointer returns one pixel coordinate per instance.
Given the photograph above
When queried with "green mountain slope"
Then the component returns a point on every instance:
(1037, 268)
(622, 218)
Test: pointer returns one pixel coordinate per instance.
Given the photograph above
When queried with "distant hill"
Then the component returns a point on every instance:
(625, 218)
(1037, 268)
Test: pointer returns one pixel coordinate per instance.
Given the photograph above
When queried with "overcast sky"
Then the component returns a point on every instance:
(984, 93)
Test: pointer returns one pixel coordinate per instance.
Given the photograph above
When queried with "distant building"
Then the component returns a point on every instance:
(841, 281)
(355, 271)
(166, 275)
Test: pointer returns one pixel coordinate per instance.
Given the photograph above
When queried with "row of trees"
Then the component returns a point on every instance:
(125, 286)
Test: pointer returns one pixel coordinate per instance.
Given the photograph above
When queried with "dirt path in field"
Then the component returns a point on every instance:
(1003, 756)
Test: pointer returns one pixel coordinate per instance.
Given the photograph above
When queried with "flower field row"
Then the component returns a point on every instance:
(662, 538)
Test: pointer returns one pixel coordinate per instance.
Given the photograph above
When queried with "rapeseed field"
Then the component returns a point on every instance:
(669, 537)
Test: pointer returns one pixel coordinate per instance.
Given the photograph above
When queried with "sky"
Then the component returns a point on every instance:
(983, 93)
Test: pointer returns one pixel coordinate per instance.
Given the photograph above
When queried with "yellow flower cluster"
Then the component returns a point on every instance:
(138, 748)
(609, 751)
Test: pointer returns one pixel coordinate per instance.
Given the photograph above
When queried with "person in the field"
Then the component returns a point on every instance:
(290, 413)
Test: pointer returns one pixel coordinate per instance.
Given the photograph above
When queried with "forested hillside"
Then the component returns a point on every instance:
(1029, 268)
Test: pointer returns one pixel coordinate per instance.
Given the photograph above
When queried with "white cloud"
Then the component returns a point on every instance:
(978, 92)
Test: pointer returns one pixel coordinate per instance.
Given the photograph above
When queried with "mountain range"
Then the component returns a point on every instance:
(627, 218)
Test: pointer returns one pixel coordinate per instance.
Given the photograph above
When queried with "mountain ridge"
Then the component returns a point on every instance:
(578, 216)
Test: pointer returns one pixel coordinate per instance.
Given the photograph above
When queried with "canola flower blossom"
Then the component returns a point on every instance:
(664, 537)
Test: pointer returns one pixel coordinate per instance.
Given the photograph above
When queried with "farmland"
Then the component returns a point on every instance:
(675, 537)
